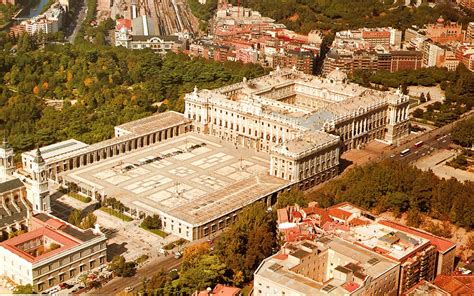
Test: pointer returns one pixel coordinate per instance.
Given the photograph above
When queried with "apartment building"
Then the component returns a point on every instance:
(326, 266)
(302, 60)
(470, 32)
(422, 256)
(51, 253)
(405, 60)
(49, 22)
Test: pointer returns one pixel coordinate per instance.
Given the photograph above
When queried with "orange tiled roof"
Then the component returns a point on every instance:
(64, 241)
(358, 222)
(456, 284)
(222, 290)
(338, 213)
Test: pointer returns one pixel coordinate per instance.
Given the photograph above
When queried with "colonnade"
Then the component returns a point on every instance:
(111, 148)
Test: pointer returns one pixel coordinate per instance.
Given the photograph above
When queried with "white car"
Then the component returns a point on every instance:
(128, 289)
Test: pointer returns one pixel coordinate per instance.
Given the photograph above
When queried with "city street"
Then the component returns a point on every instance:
(77, 22)
(119, 284)
(427, 148)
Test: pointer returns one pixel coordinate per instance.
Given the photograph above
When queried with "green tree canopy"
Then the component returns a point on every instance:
(24, 289)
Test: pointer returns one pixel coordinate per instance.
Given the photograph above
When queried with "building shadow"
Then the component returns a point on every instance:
(344, 164)
(115, 249)
(62, 210)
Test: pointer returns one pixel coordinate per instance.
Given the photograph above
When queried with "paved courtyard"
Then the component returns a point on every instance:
(371, 151)
(128, 239)
(437, 163)
(172, 173)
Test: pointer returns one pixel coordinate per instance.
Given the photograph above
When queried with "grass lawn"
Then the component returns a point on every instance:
(158, 232)
(119, 215)
(246, 289)
(84, 199)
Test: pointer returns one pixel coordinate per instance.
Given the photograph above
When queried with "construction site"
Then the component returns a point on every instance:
(168, 16)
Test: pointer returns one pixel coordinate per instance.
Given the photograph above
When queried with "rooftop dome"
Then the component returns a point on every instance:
(337, 75)
(440, 20)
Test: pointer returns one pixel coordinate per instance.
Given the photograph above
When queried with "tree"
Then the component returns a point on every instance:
(404, 88)
(88, 221)
(208, 272)
(84, 279)
(156, 283)
(151, 222)
(470, 242)
(75, 217)
(192, 254)
(24, 289)
(248, 241)
(390, 185)
(121, 267)
(463, 133)
(418, 113)
(422, 98)
(444, 229)
(290, 198)
(414, 218)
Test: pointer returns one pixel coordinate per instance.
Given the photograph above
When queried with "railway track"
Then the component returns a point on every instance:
(168, 16)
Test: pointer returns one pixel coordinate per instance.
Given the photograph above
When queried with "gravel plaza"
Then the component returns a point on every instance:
(176, 175)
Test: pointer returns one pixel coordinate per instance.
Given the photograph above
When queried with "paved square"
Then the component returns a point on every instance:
(172, 173)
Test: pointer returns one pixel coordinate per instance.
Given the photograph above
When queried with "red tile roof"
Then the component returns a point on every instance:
(55, 223)
(340, 214)
(358, 222)
(350, 286)
(64, 241)
(121, 23)
(333, 226)
(296, 214)
(441, 244)
(456, 284)
(222, 290)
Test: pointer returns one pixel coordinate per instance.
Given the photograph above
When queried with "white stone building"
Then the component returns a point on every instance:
(276, 113)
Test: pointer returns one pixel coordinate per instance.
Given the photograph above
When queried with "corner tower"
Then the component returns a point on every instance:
(7, 165)
(39, 191)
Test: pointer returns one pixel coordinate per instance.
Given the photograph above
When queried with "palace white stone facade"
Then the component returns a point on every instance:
(302, 120)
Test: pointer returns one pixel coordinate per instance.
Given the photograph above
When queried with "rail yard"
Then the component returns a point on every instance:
(168, 16)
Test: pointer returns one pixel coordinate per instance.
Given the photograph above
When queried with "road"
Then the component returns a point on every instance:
(119, 284)
(77, 22)
(435, 139)
(440, 142)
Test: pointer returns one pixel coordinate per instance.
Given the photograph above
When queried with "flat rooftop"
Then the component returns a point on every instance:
(58, 149)
(154, 122)
(443, 245)
(310, 141)
(278, 268)
(393, 243)
(192, 177)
